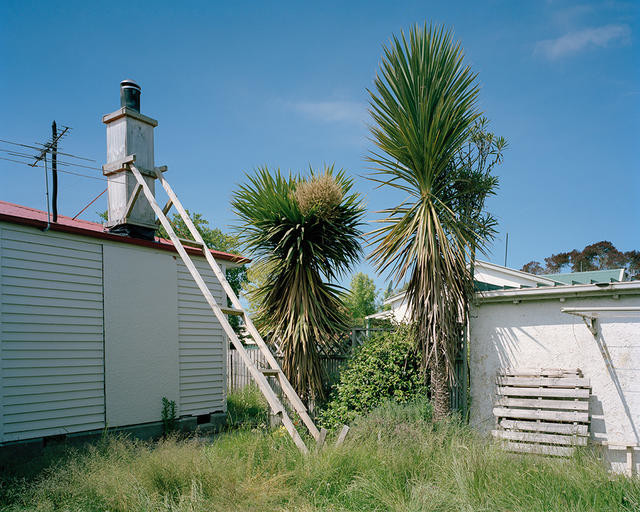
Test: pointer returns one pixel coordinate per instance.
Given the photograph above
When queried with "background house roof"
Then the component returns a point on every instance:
(593, 276)
(24, 215)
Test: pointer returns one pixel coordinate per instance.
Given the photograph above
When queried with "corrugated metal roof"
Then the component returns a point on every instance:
(592, 276)
(24, 215)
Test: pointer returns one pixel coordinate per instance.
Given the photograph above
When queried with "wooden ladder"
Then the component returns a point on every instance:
(221, 312)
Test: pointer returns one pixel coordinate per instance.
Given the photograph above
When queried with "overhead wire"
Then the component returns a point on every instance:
(64, 171)
(60, 162)
(37, 148)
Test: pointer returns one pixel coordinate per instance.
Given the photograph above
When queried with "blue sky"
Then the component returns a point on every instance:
(236, 85)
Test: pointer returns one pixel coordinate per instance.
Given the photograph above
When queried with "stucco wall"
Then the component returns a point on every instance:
(537, 334)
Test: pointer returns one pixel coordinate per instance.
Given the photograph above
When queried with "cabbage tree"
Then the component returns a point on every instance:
(306, 232)
(424, 107)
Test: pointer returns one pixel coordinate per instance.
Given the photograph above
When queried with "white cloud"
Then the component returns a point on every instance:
(332, 111)
(573, 42)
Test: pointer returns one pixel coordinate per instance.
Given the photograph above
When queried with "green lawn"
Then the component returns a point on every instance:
(394, 459)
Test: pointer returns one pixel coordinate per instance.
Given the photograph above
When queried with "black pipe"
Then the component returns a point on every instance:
(130, 95)
(54, 170)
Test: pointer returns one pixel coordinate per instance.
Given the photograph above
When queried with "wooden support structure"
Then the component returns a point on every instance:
(543, 410)
(259, 375)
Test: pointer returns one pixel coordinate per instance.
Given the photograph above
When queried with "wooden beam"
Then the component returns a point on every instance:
(343, 435)
(545, 392)
(232, 311)
(132, 200)
(192, 243)
(531, 414)
(539, 426)
(118, 165)
(531, 437)
(550, 382)
(558, 451)
(322, 438)
(539, 372)
(537, 403)
(165, 210)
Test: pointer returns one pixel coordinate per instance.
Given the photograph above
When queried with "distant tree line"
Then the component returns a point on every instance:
(597, 256)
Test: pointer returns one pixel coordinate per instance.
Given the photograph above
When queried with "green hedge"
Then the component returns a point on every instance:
(386, 367)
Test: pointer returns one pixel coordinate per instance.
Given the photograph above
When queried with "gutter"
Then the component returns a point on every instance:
(559, 292)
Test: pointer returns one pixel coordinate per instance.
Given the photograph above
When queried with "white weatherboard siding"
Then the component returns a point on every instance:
(534, 334)
(141, 333)
(203, 344)
(51, 334)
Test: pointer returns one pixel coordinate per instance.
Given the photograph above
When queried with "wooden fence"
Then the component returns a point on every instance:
(238, 375)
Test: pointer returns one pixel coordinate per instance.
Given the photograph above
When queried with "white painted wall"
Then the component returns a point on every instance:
(95, 332)
(141, 333)
(536, 334)
(51, 334)
(203, 344)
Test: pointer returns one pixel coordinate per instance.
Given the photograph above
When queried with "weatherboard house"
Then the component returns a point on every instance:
(584, 325)
(99, 323)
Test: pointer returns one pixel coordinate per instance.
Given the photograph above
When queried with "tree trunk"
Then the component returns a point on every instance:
(440, 388)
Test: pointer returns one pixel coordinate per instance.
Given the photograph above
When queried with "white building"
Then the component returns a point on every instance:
(518, 322)
(97, 327)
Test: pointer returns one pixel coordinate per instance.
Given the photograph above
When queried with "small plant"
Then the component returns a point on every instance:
(168, 415)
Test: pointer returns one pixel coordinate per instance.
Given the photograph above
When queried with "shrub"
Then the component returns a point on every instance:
(386, 367)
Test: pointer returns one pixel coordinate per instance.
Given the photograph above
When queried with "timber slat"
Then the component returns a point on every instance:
(551, 382)
(531, 437)
(540, 372)
(191, 243)
(556, 428)
(531, 414)
(544, 392)
(232, 311)
(536, 403)
(559, 451)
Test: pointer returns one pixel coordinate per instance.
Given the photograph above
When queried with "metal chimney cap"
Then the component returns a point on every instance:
(130, 95)
(129, 84)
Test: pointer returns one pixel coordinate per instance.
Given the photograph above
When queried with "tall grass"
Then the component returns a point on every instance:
(394, 459)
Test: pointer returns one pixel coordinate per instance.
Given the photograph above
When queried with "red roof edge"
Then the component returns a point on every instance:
(23, 215)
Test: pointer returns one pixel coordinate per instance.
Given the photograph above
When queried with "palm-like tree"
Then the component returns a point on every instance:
(307, 233)
(424, 108)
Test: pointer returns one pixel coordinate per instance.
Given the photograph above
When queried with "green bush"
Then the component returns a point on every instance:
(386, 367)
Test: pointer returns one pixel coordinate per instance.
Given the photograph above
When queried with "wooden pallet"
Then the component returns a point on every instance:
(542, 410)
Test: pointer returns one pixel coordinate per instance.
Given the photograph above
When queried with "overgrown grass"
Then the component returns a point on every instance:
(247, 408)
(395, 459)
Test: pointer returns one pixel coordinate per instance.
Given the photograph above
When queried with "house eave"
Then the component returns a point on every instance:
(557, 292)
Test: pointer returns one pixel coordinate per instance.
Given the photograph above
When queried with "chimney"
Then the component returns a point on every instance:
(129, 134)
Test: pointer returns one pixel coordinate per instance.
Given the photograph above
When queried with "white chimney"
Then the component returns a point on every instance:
(129, 133)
